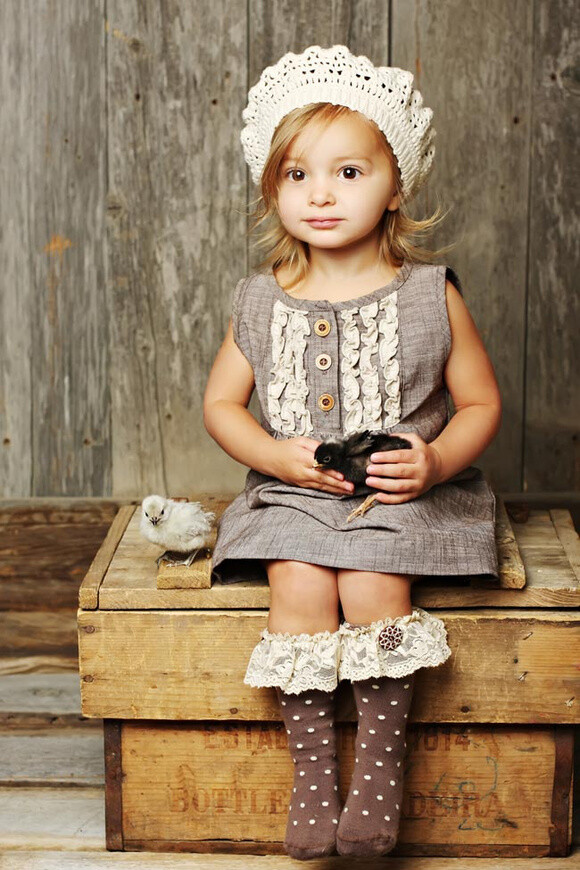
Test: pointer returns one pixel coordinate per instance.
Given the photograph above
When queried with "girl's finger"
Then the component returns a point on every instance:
(395, 499)
(331, 472)
(341, 487)
(391, 457)
(400, 470)
(391, 485)
(309, 443)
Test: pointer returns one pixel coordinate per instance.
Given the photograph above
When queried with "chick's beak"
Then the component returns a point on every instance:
(316, 464)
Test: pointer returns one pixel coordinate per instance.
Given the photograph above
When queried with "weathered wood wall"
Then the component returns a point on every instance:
(123, 221)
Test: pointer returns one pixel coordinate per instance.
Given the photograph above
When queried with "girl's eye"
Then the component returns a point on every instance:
(351, 169)
(289, 174)
(345, 169)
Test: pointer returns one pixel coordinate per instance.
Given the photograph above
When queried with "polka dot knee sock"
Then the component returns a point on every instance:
(369, 823)
(314, 804)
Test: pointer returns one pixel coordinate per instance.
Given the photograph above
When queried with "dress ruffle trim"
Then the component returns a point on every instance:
(288, 331)
(362, 401)
(363, 354)
(295, 662)
(392, 647)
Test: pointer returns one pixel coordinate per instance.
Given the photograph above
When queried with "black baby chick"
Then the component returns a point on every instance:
(351, 455)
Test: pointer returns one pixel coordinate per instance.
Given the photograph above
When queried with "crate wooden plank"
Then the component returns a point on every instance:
(89, 590)
(195, 576)
(466, 787)
(131, 584)
(511, 567)
(96, 860)
(506, 666)
(568, 536)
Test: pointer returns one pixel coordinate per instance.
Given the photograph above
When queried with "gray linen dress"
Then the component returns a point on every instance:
(332, 368)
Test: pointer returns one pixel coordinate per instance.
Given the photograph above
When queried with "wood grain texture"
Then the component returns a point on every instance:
(465, 787)
(89, 589)
(38, 641)
(568, 536)
(124, 223)
(482, 105)
(175, 229)
(52, 818)
(63, 858)
(512, 573)
(17, 284)
(53, 757)
(505, 666)
(113, 783)
(56, 431)
(130, 581)
(552, 394)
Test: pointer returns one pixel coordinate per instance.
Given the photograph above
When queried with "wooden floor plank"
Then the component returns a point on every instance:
(84, 860)
(38, 641)
(54, 694)
(52, 818)
(63, 756)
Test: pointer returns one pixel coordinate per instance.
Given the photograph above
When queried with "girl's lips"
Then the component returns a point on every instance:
(327, 222)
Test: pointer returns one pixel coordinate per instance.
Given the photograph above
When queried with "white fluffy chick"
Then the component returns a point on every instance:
(182, 527)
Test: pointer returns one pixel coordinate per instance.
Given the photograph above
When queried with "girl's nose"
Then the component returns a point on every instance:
(320, 193)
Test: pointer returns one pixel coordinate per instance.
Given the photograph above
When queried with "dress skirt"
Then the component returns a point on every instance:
(449, 530)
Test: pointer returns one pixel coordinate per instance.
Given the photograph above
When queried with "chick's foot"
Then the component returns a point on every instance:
(362, 508)
(173, 558)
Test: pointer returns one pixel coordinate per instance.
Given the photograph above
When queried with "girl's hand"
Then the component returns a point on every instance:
(403, 475)
(292, 463)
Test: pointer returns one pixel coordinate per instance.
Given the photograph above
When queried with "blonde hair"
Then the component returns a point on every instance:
(397, 228)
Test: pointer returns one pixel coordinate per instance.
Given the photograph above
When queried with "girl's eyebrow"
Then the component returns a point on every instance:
(337, 159)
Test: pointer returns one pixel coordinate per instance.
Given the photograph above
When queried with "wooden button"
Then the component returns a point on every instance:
(323, 361)
(322, 327)
(325, 402)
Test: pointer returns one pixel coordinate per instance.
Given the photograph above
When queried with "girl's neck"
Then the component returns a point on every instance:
(339, 277)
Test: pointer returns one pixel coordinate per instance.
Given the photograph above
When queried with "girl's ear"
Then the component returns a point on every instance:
(394, 203)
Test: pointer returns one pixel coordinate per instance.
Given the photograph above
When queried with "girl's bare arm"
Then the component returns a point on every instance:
(228, 421)
(471, 381)
(225, 409)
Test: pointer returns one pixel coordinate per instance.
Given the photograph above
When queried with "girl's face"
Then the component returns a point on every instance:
(343, 173)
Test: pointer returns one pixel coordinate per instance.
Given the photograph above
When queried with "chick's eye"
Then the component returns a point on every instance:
(351, 169)
(146, 514)
(326, 459)
(162, 511)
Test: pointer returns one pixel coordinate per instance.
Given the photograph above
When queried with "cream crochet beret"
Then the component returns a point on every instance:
(384, 94)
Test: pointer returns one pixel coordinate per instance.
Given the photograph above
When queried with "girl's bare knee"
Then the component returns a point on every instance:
(304, 597)
(368, 596)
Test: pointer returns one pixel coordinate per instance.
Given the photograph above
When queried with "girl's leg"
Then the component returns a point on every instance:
(303, 597)
(367, 595)
(299, 654)
(379, 655)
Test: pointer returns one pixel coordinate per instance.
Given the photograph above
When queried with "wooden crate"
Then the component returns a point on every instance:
(198, 761)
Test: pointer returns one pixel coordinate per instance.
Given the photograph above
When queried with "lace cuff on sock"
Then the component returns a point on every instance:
(295, 662)
(392, 647)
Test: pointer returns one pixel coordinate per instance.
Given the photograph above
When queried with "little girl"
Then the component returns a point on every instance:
(351, 327)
